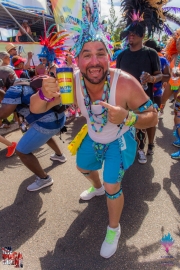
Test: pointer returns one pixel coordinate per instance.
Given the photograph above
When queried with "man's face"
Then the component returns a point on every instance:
(13, 52)
(93, 61)
(134, 39)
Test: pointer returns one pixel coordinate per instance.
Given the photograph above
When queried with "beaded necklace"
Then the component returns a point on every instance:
(177, 60)
(87, 102)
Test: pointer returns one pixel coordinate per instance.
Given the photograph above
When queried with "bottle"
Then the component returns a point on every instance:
(144, 86)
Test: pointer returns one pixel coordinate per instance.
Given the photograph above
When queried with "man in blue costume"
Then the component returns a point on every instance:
(113, 103)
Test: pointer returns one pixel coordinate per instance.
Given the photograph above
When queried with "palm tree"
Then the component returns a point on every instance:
(171, 17)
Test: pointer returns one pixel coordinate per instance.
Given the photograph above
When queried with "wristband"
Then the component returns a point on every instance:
(41, 95)
(131, 119)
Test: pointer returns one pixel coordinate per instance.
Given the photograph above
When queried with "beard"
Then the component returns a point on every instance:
(94, 81)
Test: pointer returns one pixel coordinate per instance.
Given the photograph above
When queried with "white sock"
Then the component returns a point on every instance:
(113, 229)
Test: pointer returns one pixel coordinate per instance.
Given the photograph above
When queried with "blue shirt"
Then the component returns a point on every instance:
(46, 123)
(158, 86)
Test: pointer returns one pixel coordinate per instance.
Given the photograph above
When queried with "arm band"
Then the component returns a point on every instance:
(145, 106)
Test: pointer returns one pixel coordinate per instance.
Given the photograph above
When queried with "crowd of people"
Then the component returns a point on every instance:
(120, 105)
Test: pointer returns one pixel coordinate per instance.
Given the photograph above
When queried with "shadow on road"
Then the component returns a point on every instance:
(73, 127)
(165, 142)
(80, 247)
(21, 220)
(174, 178)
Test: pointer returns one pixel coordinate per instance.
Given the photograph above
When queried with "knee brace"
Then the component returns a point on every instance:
(115, 195)
(86, 174)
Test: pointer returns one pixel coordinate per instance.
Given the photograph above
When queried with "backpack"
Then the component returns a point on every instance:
(36, 83)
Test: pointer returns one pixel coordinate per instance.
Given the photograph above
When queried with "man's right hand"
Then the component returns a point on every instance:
(30, 55)
(50, 87)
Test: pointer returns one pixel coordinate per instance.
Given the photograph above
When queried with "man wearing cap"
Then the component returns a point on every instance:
(141, 62)
(18, 63)
(12, 50)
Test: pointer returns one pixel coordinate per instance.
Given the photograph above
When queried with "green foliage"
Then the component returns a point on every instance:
(115, 26)
(112, 21)
(164, 38)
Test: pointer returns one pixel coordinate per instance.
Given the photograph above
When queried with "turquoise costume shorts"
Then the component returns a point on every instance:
(116, 156)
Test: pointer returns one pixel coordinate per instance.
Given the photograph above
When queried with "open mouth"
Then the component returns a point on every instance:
(94, 71)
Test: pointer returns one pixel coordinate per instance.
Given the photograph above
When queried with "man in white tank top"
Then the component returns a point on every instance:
(114, 104)
(93, 62)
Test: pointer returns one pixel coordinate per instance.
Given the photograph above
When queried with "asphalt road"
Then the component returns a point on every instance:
(54, 229)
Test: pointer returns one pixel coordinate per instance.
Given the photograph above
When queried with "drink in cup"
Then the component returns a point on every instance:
(65, 80)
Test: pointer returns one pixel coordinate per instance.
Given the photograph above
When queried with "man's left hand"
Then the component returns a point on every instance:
(116, 114)
(146, 78)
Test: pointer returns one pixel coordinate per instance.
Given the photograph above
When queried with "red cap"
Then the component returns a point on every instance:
(19, 60)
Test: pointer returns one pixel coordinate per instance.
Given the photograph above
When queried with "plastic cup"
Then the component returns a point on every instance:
(65, 80)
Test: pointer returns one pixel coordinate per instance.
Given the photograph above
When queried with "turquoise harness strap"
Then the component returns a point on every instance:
(145, 106)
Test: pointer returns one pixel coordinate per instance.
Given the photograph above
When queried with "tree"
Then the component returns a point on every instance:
(164, 38)
(112, 21)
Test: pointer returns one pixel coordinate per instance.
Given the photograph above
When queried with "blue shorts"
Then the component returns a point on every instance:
(90, 158)
(32, 140)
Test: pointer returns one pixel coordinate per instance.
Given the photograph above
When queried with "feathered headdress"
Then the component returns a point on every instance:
(141, 15)
(53, 45)
(171, 45)
(88, 29)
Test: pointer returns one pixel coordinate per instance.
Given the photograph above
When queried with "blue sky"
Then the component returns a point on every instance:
(105, 5)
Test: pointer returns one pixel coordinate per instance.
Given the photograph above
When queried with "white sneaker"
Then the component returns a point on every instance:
(40, 183)
(160, 114)
(142, 157)
(109, 246)
(61, 158)
(92, 192)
